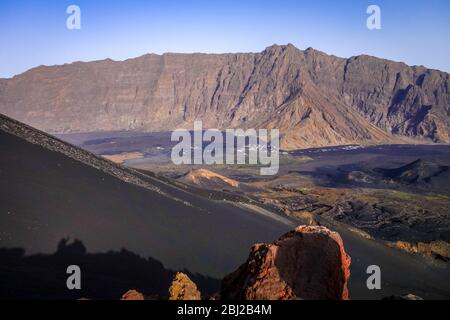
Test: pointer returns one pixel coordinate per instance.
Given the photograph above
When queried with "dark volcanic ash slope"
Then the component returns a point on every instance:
(51, 190)
(314, 98)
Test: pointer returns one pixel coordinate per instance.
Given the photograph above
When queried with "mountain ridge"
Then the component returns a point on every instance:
(314, 99)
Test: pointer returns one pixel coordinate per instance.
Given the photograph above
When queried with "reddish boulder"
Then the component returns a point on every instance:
(183, 288)
(307, 263)
(132, 295)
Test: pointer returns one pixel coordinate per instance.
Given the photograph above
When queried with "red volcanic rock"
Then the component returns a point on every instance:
(183, 288)
(307, 263)
(132, 295)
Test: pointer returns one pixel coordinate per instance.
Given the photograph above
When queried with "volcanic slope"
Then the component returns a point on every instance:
(50, 190)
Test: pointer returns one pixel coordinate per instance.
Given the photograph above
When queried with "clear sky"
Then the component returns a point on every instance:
(33, 32)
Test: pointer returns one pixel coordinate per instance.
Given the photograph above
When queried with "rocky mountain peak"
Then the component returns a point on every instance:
(314, 99)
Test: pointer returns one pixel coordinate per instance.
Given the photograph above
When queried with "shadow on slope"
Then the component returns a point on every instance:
(103, 275)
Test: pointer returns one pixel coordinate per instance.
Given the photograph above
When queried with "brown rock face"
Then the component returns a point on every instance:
(132, 295)
(434, 248)
(313, 98)
(307, 263)
(183, 288)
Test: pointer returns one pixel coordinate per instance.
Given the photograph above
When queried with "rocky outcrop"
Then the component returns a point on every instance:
(132, 295)
(209, 179)
(183, 288)
(313, 98)
(437, 248)
(417, 172)
(307, 263)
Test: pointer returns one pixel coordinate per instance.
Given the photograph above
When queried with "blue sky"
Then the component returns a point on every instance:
(34, 32)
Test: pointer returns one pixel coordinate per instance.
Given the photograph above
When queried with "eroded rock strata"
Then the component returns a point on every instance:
(315, 99)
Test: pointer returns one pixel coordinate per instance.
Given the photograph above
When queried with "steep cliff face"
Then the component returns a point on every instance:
(313, 98)
(410, 101)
